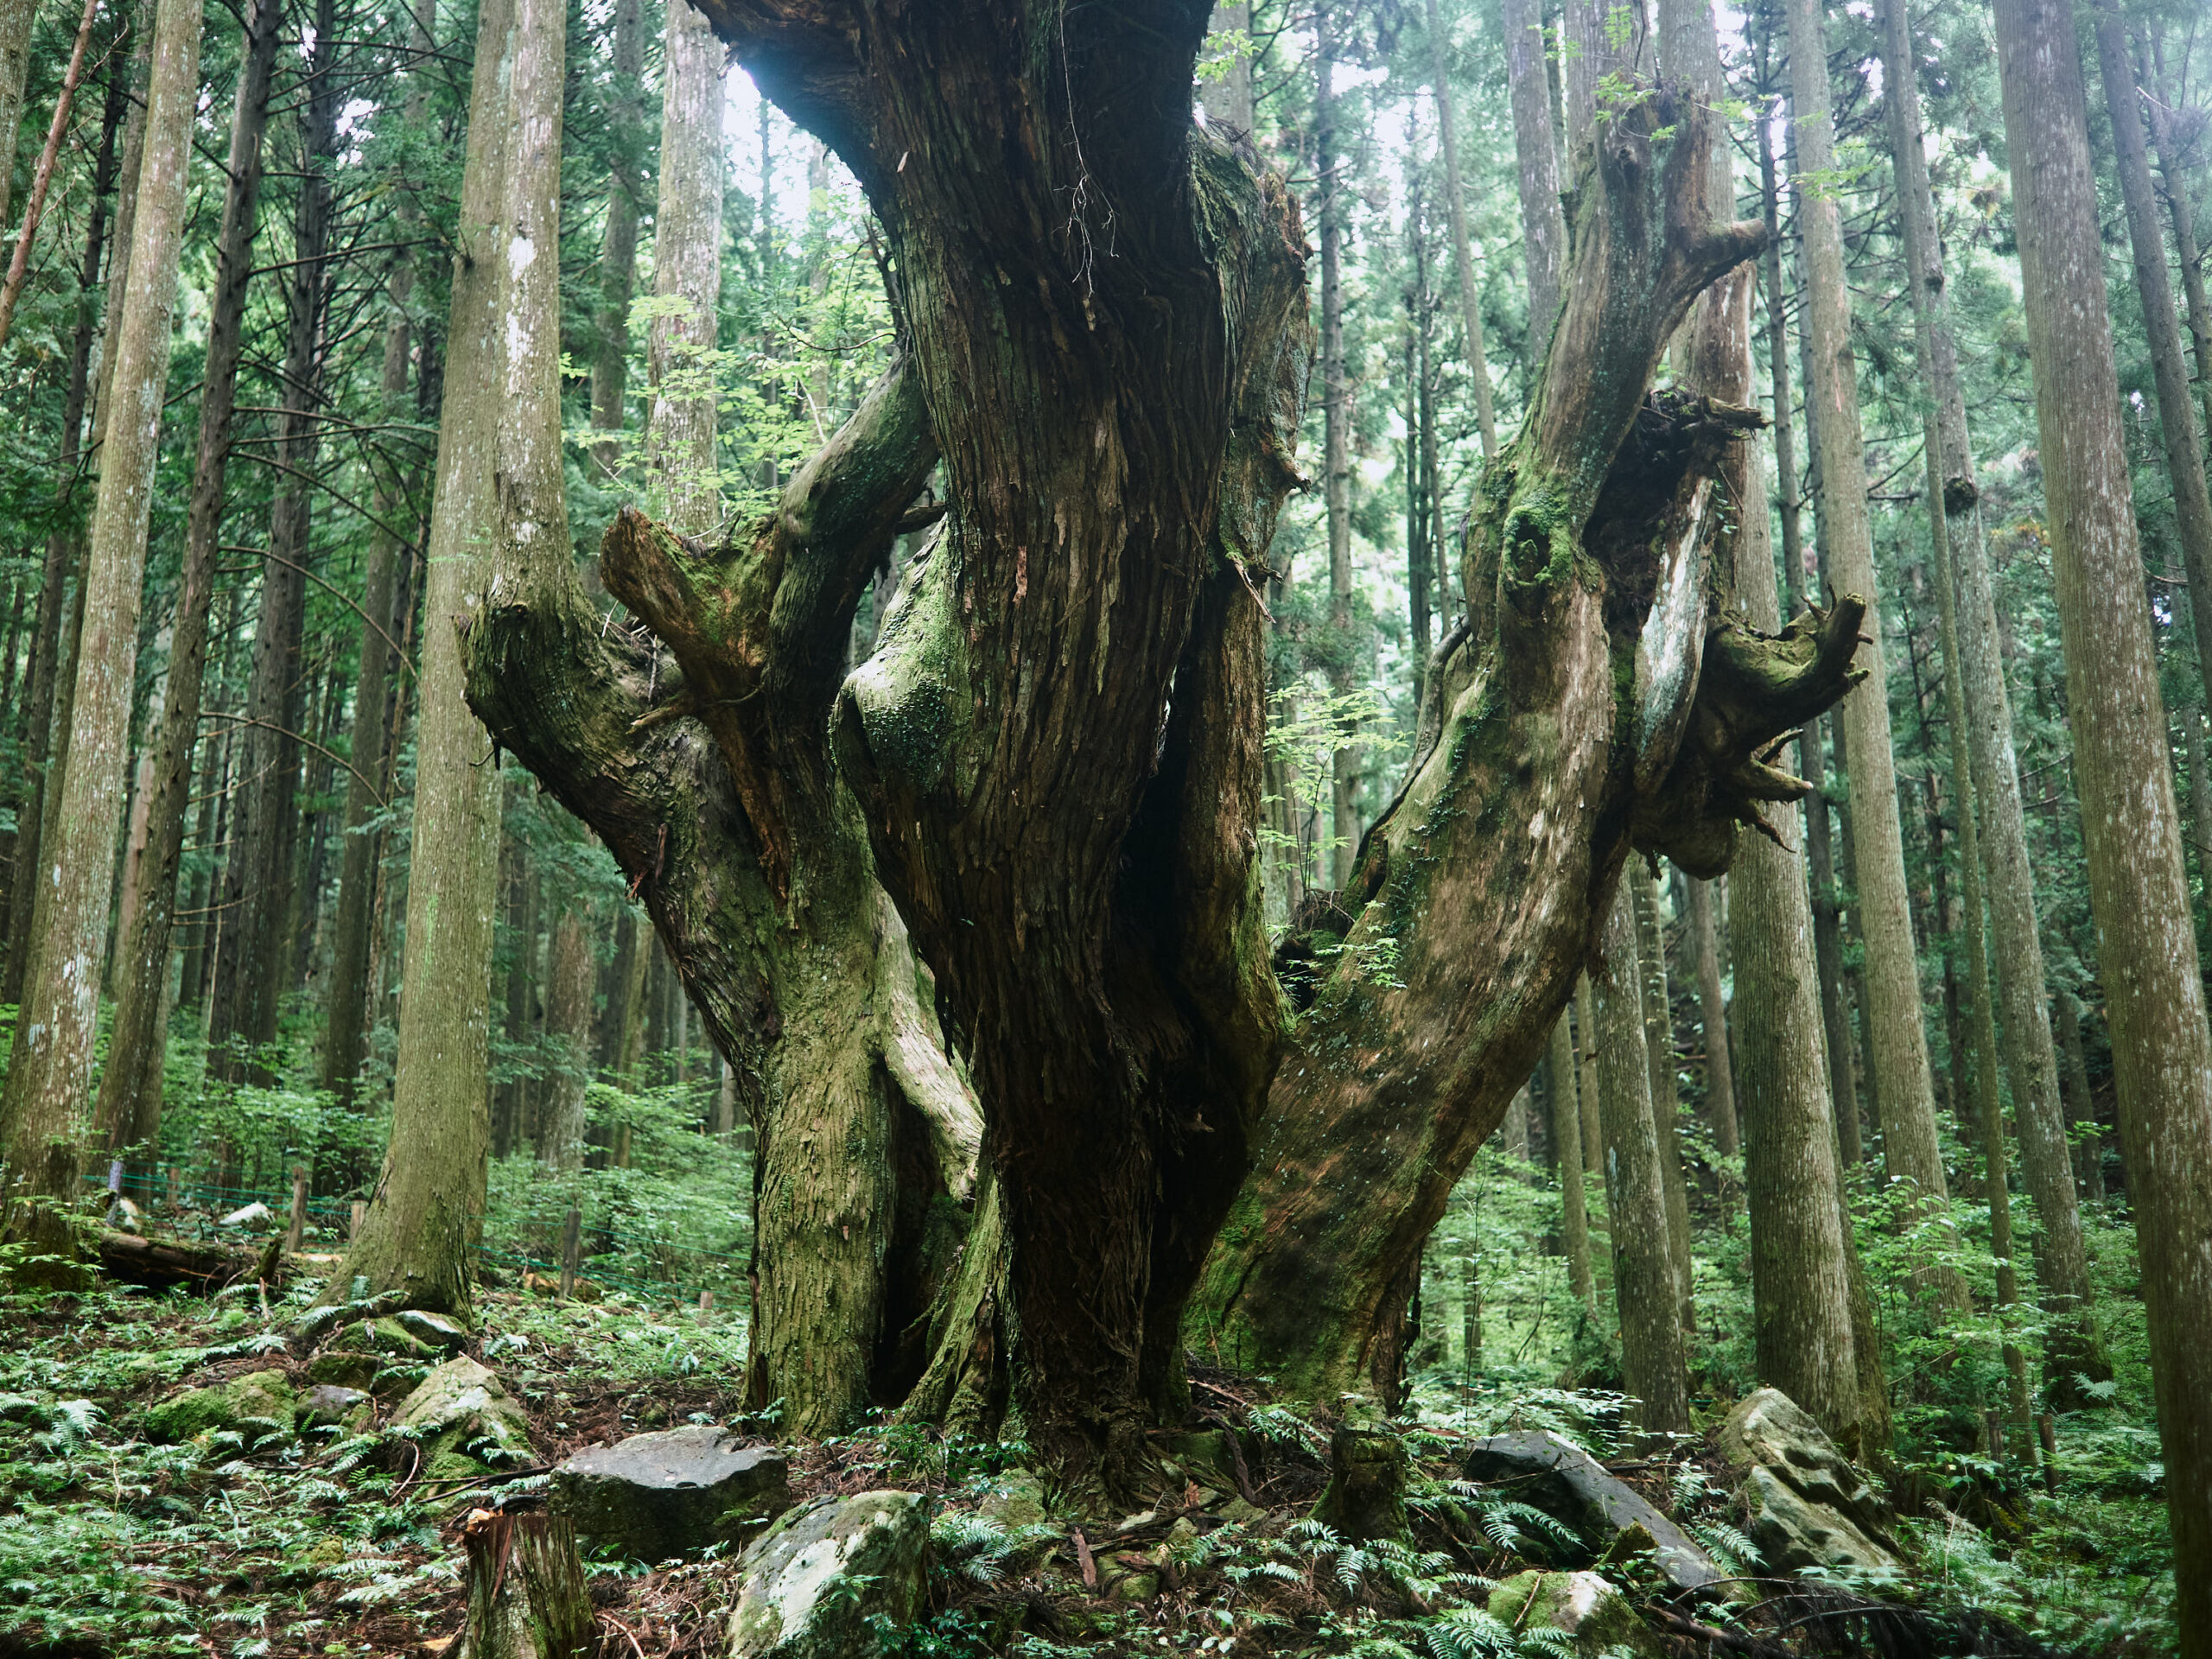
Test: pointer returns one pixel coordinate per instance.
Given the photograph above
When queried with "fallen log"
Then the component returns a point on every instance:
(164, 1262)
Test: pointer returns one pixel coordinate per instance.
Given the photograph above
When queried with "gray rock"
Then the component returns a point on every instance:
(832, 1578)
(252, 1214)
(327, 1403)
(1584, 1605)
(656, 1497)
(1809, 1505)
(463, 1417)
(435, 1330)
(1554, 1475)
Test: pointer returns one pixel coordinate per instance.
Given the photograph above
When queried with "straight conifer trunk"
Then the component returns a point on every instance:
(42, 1106)
(1902, 1082)
(498, 478)
(128, 1111)
(618, 248)
(2162, 1053)
(1535, 148)
(1713, 1013)
(1463, 253)
(1561, 1094)
(1984, 708)
(1331, 193)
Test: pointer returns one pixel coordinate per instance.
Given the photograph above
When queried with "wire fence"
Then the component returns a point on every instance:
(650, 1265)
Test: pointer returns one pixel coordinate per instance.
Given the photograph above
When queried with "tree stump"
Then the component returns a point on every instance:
(1366, 1495)
(527, 1598)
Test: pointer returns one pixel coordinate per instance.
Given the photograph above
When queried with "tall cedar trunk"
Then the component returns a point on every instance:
(1902, 1082)
(1566, 1148)
(253, 968)
(1585, 1031)
(2174, 173)
(348, 1017)
(1535, 148)
(2080, 1103)
(1420, 551)
(1712, 1016)
(687, 242)
(2162, 1054)
(1644, 1275)
(1331, 192)
(523, 988)
(2154, 287)
(2015, 947)
(1665, 1097)
(1463, 254)
(42, 1107)
(128, 1112)
(17, 18)
(1979, 1050)
(569, 983)
(64, 542)
(1304, 1282)
(496, 450)
(617, 247)
(1228, 96)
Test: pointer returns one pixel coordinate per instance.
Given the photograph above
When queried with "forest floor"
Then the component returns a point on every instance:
(265, 1540)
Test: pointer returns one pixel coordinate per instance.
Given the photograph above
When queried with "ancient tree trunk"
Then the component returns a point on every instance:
(1538, 718)
(1543, 227)
(499, 479)
(1566, 1147)
(1645, 1280)
(42, 1108)
(1713, 1015)
(2162, 1055)
(1985, 712)
(130, 1107)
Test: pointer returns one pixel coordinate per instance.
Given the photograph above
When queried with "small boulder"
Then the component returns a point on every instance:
(1554, 1475)
(327, 1403)
(1584, 1605)
(343, 1370)
(250, 1215)
(656, 1497)
(1015, 1499)
(1809, 1506)
(826, 1580)
(263, 1395)
(434, 1331)
(464, 1421)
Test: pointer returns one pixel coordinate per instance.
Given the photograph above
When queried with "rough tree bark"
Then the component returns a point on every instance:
(2014, 946)
(1902, 1082)
(128, 1111)
(42, 1107)
(2162, 1053)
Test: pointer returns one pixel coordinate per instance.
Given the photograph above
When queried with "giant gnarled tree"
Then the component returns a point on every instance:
(1049, 770)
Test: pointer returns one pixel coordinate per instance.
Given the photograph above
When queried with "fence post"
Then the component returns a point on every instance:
(297, 1230)
(571, 1238)
(176, 1187)
(360, 1214)
(706, 1306)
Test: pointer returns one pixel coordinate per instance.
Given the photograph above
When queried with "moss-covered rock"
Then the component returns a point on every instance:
(1584, 1605)
(263, 1396)
(459, 1409)
(345, 1371)
(654, 1498)
(837, 1579)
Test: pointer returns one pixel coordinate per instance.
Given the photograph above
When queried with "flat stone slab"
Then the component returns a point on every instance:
(660, 1496)
(1558, 1477)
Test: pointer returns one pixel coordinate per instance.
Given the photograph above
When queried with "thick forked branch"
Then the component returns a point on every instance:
(1575, 717)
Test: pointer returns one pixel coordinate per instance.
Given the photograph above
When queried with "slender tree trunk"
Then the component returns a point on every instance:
(2162, 1053)
(1566, 1147)
(1902, 1082)
(1332, 192)
(687, 266)
(498, 439)
(1535, 148)
(1585, 1028)
(1712, 1014)
(569, 978)
(2161, 327)
(1463, 253)
(128, 1111)
(2080, 1104)
(42, 1106)
(253, 969)
(1666, 1099)
(2175, 175)
(1645, 1281)
(618, 248)
(1985, 713)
